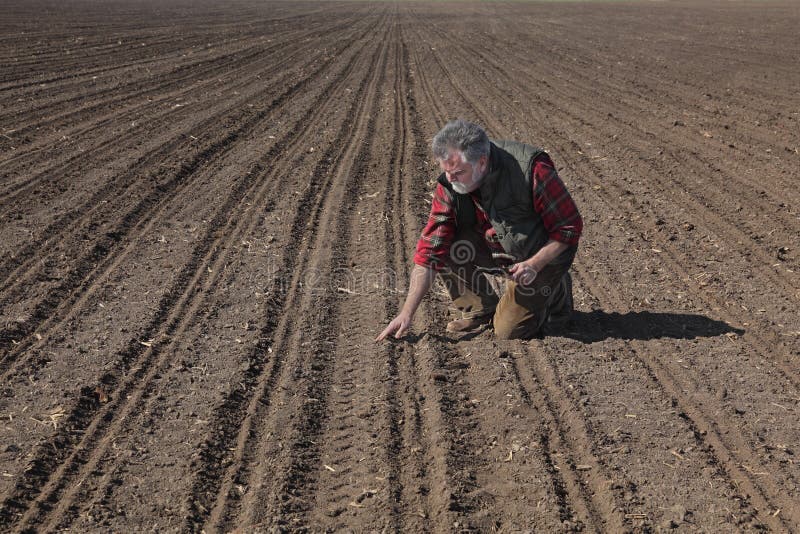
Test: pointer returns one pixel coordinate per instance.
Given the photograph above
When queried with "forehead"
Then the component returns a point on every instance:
(453, 162)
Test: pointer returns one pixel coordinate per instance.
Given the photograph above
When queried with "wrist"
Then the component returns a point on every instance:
(406, 313)
(533, 263)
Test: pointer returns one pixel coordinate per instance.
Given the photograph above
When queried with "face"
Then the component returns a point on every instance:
(463, 176)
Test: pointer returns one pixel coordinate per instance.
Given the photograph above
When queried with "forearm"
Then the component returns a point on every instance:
(420, 283)
(546, 254)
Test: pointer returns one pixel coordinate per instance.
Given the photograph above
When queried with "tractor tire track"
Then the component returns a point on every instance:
(80, 422)
(783, 364)
(761, 497)
(235, 414)
(269, 188)
(109, 146)
(406, 446)
(314, 342)
(724, 454)
(142, 214)
(570, 487)
(231, 65)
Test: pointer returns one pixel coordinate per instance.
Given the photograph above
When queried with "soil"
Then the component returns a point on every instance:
(209, 211)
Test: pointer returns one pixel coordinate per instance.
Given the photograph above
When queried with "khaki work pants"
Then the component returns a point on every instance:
(521, 311)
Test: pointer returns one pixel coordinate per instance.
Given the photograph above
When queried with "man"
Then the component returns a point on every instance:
(499, 207)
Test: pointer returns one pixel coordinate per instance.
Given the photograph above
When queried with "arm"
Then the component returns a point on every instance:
(433, 248)
(559, 215)
(524, 272)
(421, 281)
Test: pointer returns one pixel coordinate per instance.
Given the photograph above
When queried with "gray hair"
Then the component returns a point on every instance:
(466, 137)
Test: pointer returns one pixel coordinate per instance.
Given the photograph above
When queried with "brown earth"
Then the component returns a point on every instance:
(208, 213)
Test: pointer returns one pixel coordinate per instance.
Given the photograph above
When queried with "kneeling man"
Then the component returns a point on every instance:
(499, 208)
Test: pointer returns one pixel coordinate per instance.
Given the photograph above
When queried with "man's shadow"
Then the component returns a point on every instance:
(598, 325)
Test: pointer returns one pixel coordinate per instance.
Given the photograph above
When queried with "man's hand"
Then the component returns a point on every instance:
(421, 281)
(523, 273)
(398, 327)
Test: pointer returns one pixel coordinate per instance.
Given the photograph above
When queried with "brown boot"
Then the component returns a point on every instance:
(467, 325)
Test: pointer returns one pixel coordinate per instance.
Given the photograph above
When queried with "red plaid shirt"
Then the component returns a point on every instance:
(551, 200)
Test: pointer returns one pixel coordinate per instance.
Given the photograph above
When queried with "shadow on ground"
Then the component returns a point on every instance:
(598, 325)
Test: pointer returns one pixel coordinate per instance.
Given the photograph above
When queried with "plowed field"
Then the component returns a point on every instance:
(209, 212)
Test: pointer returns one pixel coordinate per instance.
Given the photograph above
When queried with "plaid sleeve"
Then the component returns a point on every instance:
(437, 236)
(552, 202)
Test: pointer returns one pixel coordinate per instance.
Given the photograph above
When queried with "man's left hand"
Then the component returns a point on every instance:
(523, 273)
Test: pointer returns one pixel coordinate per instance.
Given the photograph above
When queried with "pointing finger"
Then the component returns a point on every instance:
(383, 334)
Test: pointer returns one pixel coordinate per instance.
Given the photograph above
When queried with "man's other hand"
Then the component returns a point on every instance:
(523, 273)
(398, 327)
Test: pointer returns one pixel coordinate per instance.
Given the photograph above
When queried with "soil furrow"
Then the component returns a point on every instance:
(393, 255)
(765, 497)
(149, 95)
(143, 122)
(315, 342)
(268, 189)
(586, 478)
(43, 313)
(410, 445)
(567, 486)
(571, 487)
(783, 364)
(235, 414)
(405, 445)
(440, 409)
(400, 483)
(459, 459)
(321, 411)
(79, 418)
(209, 212)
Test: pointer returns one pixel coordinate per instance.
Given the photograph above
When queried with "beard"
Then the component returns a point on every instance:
(463, 189)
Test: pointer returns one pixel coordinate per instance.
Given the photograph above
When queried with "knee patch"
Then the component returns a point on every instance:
(502, 330)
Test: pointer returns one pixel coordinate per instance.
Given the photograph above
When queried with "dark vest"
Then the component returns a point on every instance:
(507, 197)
